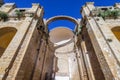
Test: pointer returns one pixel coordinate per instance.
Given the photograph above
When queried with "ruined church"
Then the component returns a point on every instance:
(29, 51)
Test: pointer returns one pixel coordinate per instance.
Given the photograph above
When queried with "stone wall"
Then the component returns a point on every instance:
(28, 56)
(98, 74)
(47, 68)
(102, 43)
(27, 67)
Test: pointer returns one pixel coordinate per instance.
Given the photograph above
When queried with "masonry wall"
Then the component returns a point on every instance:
(47, 69)
(98, 74)
(38, 60)
(103, 41)
(30, 57)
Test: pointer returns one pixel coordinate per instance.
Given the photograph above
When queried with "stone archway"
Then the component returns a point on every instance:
(116, 32)
(60, 33)
(61, 17)
(6, 35)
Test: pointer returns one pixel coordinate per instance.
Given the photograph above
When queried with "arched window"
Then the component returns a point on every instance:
(116, 31)
(6, 35)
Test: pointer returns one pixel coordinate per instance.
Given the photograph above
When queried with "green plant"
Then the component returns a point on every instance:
(101, 14)
(115, 13)
(31, 15)
(18, 13)
(109, 13)
(79, 30)
(3, 16)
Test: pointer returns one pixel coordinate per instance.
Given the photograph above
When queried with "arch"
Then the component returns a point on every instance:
(116, 31)
(61, 17)
(61, 34)
(6, 35)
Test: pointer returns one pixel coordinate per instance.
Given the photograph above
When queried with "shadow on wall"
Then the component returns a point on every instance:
(116, 31)
(6, 35)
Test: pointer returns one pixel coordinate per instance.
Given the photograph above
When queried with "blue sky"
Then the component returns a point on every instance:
(62, 7)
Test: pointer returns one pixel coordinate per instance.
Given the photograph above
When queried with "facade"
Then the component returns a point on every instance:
(100, 41)
(28, 51)
(23, 44)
